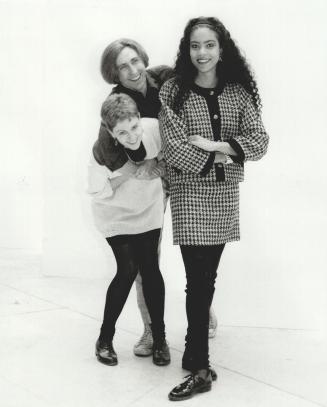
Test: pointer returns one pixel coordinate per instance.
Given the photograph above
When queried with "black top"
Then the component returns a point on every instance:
(211, 98)
(210, 95)
(148, 105)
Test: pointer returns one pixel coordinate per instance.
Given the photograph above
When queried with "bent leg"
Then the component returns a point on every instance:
(144, 345)
(139, 290)
(119, 287)
(152, 281)
(141, 301)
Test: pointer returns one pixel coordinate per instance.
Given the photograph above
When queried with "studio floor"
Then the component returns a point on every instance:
(48, 327)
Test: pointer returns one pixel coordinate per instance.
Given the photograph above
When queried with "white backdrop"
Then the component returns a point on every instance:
(51, 92)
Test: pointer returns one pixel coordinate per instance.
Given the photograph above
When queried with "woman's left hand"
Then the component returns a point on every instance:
(203, 143)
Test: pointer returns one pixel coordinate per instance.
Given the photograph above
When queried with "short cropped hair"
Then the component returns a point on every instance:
(109, 58)
(118, 107)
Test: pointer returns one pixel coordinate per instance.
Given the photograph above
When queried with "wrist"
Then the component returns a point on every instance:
(216, 147)
(221, 147)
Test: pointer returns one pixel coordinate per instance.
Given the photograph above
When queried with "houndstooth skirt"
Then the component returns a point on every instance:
(205, 213)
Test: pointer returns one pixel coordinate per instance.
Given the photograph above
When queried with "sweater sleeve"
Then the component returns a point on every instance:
(99, 186)
(151, 137)
(252, 141)
(178, 152)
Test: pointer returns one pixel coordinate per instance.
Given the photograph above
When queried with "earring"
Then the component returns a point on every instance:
(115, 142)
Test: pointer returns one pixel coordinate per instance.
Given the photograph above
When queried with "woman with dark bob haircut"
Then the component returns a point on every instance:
(210, 126)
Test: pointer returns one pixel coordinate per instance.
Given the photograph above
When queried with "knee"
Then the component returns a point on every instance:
(194, 284)
(201, 282)
(127, 273)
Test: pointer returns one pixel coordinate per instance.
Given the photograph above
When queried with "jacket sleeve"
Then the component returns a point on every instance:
(252, 142)
(160, 73)
(178, 152)
(106, 152)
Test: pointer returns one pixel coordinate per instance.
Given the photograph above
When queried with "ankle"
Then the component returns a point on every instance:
(158, 332)
(104, 340)
(159, 340)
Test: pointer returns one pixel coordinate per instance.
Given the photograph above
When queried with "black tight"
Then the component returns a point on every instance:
(201, 263)
(135, 253)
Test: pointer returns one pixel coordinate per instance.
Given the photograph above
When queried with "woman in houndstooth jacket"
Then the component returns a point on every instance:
(210, 125)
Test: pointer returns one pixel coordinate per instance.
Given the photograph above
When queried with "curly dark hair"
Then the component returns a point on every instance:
(233, 68)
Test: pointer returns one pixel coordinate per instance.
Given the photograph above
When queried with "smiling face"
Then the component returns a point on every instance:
(128, 132)
(131, 70)
(204, 50)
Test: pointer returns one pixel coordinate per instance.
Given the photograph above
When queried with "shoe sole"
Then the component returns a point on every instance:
(105, 361)
(143, 355)
(161, 363)
(201, 390)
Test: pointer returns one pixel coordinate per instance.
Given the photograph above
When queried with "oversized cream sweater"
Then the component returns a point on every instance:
(135, 206)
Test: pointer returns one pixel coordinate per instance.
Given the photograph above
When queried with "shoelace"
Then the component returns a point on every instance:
(146, 339)
(107, 348)
(159, 352)
(190, 381)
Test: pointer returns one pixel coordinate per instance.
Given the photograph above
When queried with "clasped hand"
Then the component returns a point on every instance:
(208, 145)
(149, 169)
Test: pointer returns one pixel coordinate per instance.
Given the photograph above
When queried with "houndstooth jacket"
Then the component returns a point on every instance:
(240, 125)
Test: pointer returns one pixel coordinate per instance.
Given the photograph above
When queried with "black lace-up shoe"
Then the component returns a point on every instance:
(105, 353)
(192, 384)
(161, 354)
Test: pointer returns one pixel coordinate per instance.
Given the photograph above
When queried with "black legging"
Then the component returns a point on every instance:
(201, 263)
(135, 253)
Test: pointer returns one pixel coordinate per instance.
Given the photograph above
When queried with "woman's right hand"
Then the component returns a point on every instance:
(148, 170)
(220, 158)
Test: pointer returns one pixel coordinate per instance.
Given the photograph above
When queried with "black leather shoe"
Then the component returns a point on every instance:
(192, 384)
(188, 364)
(161, 354)
(105, 353)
